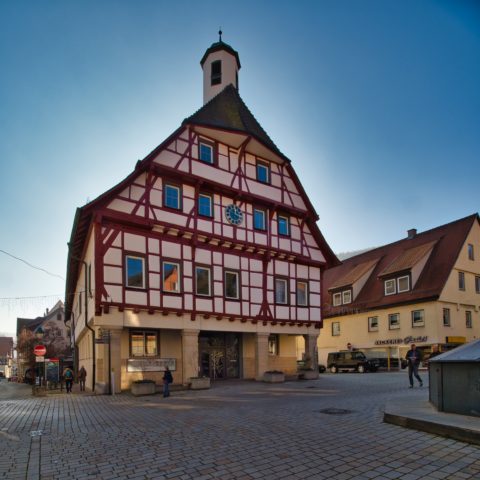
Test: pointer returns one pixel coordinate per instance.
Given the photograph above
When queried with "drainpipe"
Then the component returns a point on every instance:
(86, 317)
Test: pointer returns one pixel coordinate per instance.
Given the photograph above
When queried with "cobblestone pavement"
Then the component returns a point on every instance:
(241, 430)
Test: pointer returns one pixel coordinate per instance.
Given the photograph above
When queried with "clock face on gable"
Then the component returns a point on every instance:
(233, 214)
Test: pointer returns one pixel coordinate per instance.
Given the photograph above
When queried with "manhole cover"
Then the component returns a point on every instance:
(335, 411)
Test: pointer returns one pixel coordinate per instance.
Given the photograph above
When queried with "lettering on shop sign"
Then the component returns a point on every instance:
(401, 341)
(151, 364)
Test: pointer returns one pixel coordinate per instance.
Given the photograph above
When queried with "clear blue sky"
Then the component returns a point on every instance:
(376, 102)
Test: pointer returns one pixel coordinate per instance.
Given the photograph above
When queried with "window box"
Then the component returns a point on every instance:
(143, 387)
(199, 383)
(273, 376)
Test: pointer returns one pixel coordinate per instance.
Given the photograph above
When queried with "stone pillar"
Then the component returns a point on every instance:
(311, 351)
(115, 359)
(189, 354)
(261, 355)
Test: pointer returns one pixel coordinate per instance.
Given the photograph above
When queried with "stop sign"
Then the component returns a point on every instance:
(40, 350)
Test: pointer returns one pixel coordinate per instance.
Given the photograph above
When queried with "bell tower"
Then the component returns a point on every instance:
(220, 65)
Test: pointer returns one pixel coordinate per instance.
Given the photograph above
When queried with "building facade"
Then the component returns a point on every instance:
(424, 289)
(55, 335)
(7, 366)
(206, 258)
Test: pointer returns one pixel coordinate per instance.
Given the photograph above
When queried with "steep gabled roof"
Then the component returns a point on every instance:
(228, 111)
(445, 242)
(356, 273)
(408, 258)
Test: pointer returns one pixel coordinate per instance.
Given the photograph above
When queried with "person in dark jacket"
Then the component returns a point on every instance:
(414, 357)
(167, 380)
(82, 375)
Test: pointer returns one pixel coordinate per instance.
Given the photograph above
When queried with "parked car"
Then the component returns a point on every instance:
(351, 360)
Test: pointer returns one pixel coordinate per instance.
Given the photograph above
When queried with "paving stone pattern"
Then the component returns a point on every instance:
(240, 430)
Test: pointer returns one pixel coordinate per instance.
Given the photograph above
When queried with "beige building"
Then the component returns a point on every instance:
(423, 289)
(206, 258)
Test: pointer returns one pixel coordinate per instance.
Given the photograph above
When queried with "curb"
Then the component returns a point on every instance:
(447, 431)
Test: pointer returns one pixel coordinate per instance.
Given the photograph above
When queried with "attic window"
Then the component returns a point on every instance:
(206, 151)
(216, 77)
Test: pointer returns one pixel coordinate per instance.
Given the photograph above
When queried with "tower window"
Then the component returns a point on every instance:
(216, 77)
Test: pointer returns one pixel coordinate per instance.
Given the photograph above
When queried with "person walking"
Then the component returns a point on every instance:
(414, 357)
(82, 375)
(68, 376)
(167, 380)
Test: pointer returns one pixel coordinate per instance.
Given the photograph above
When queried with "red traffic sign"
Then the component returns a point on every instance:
(40, 350)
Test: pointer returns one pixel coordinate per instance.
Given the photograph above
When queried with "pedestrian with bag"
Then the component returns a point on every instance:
(167, 380)
(68, 376)
(414, 357)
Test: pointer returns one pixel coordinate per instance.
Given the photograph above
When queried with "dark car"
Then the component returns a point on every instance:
(349, 360)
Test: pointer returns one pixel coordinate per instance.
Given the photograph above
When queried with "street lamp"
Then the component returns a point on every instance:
(39, 333)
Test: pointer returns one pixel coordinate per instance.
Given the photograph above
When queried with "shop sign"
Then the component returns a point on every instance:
(401, 341)
(151, 364)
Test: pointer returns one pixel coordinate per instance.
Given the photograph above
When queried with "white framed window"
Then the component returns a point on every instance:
(202, 281)
(205, 152)
(283, 224)
(418, 318)
(135, 271)
(337, 299)
(461, 280)
(468, 319)
(471, 255)
(302, 293)
(171, 277)
(373, 324)
(347, 296)
(172, 196)
(446, 317)
(393, 321)
(390, 286)
(335, 329)
(403, 284)
(205, 205)
(232, 290)
(263, 172)
(143, 343)
(281, 291)
(259, 219)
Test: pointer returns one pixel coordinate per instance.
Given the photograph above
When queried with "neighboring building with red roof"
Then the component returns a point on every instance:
(206, 258)
(55, 337)
(423, 289)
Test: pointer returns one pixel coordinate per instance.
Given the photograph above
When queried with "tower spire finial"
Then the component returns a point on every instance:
(220, 34)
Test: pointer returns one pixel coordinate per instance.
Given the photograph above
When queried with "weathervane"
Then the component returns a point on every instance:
(220, 34)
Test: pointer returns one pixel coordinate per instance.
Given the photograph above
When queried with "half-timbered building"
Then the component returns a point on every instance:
(206, 258)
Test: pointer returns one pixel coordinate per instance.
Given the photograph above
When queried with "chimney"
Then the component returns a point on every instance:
(412, 233)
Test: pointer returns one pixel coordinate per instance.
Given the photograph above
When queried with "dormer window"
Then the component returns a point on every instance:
(342, 298)
(397, 285)
(403, 284)
(216, 76)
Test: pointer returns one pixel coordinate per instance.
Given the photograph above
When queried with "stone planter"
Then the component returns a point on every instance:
(308, 375)
(274, 377)
(199, 383)
(143, 388)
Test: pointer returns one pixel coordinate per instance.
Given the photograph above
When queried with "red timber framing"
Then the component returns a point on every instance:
(132, 214)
